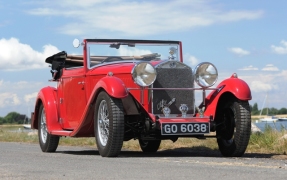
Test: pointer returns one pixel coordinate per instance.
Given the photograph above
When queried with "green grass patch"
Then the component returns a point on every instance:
(271, 141)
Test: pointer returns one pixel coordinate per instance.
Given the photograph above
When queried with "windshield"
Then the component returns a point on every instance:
(105, 52)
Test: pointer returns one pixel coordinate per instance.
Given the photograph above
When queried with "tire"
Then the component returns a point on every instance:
(149, 146)
(109, 125)
(48, 142)
(234, 129)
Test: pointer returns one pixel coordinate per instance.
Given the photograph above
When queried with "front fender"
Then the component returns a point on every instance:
(48, 97)
(234, 86)
(113, 86)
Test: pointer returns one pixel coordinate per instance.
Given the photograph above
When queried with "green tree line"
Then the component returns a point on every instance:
(14, 118)
(266, 111)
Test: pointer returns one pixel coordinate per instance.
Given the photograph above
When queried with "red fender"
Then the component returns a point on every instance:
(113, 86)
(233, 85)
(47, 96)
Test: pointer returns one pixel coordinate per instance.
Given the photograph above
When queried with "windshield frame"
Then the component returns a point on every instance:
(115, 43)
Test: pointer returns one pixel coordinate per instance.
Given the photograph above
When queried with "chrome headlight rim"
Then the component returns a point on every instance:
(141, 76)
(196, 74)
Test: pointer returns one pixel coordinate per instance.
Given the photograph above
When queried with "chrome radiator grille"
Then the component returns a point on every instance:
(169, 76)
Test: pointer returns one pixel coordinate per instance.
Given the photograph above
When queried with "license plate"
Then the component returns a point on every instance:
(184, 128)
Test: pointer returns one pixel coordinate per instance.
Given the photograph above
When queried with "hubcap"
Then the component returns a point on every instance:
(103, 123)
(43, 126)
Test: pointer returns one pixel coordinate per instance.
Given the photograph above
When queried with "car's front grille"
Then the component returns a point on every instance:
(169, 76)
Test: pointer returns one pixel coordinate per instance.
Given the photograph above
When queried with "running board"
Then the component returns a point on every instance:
(61, 133)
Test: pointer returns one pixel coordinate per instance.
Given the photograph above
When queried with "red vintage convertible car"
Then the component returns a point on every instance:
(122, 89)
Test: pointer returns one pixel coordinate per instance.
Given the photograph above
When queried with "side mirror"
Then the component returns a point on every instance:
(76, 43)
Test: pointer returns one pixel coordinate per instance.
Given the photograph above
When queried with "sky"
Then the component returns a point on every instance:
(244, 37)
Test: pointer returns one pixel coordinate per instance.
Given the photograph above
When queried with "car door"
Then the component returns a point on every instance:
(72, 97)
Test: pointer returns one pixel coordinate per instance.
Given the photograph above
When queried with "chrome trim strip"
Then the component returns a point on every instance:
(76, 67)
(182, 89)
(109, 63)
(169, 61)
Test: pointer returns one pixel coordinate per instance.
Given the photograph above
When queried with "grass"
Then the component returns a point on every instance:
(270, 142)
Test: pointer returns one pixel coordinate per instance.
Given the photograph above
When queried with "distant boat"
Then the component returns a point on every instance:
(268, 118)
(282, 119)
(25, 124)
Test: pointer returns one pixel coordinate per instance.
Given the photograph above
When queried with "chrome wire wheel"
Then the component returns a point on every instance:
(43, 127)
(109, 125)
(47, 141)
(103, 123)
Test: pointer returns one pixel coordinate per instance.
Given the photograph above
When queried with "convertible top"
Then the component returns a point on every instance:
(60, 55)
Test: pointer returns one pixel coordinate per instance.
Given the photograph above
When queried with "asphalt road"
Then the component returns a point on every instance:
(27, 161)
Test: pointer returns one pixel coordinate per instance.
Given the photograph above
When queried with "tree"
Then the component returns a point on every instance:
(272, 111)
(282, 111)
(12, 117)
(254, 109)
(2, 120)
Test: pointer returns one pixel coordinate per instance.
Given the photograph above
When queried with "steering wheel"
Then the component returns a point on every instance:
(111, 59)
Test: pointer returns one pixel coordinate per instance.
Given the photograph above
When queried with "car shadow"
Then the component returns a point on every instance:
(177, 152)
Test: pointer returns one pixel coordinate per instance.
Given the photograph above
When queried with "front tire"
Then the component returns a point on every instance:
(234, 129)
(48, 142)
(109, 125)
(149, 146)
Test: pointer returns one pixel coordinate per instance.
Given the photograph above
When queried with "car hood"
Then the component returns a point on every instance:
(117, 68)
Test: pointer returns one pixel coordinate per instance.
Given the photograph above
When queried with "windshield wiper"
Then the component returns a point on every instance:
(117, 45)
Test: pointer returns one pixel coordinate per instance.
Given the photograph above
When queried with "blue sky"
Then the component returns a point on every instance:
(246, 37)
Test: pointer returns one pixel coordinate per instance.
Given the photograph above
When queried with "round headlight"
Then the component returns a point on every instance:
(205, 74)
(144, 74)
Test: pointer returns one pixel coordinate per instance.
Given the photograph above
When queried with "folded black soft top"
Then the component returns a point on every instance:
(61, 55)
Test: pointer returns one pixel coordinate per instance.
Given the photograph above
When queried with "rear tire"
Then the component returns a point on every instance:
(109, 125)
(48, 142)
(149, 146)
(234, 129)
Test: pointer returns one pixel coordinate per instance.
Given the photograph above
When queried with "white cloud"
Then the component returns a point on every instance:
(259, 86)
(30, 97)
(123, 51)
(284, 74)
(263, 82)
(239, 51)
(138, 17)
(280, 49)
(19, 96)
(190, 60)
(17, 56)
(9, 99)
(270, 67)
(249, 68)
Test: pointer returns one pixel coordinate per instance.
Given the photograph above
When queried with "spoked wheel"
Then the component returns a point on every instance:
(109, 125)
(48, 142)
(149, 146)
(233, 132)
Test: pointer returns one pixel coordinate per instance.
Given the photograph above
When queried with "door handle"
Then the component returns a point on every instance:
(81, 82)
